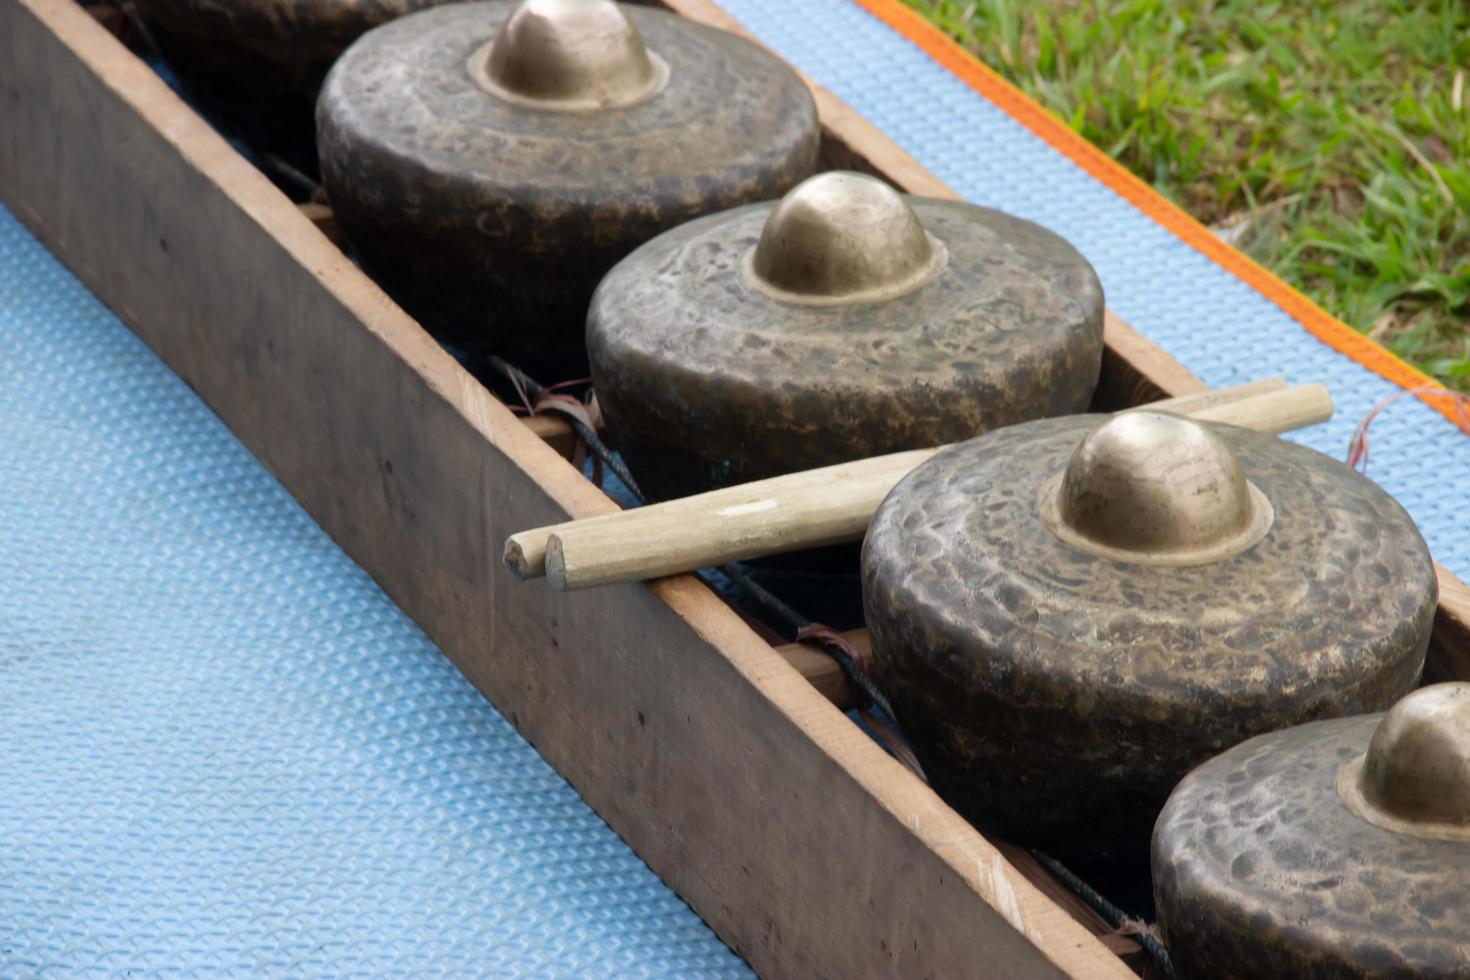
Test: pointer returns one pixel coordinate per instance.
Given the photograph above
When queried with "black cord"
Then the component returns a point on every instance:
(305, 186)
(1095, 900)
(584, 431)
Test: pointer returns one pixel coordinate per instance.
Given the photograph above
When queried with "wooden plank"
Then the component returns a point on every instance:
(1125, 948)
(799, 841)
(553, 430)
(821, 671)
(1449, 648)
(321, 215)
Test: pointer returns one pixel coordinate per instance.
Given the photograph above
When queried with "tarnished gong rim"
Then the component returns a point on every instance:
(1012, 300)
(1259, 869)
(1334, 592)
(727, 107)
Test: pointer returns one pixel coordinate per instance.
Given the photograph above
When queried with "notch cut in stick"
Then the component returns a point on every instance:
(812, 509)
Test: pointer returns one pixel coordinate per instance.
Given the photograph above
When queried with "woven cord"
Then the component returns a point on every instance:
(1124, 923)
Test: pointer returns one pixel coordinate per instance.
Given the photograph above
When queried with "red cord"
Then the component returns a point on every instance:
(1357, 456)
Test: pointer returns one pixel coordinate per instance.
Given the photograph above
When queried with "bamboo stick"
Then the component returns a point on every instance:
(804, 510)
(525, 552)
(1215, 397)
(847, 489)
(1277, 412)
(807, 510)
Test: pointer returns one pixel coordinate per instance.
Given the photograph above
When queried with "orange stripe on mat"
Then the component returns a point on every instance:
(1318, 322)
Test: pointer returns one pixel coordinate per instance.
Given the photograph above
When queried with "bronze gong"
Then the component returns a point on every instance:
(1335, 849)
(1070, 614)
(258, 64)
(490, 161)
(843, 321)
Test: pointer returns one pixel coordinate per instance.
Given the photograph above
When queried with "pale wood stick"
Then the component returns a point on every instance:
(321, 216)
(1196, 403)
(811, 509)
(804, 510)
(807, 510)
(1277, 412)
(846, 490)
(525, 551)
(821, 671)
(554, 430)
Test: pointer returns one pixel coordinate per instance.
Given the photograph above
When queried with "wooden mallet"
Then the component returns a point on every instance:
(814, 508)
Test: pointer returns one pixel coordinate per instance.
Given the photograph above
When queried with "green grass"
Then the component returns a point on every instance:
(1332, 137)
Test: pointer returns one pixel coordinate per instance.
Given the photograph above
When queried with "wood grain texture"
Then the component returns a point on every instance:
(798, 839)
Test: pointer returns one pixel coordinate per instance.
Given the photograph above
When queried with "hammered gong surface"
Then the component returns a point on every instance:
(1261, 871)
(705, 380)
(492, 222)
(259, 64)
(1055, 697)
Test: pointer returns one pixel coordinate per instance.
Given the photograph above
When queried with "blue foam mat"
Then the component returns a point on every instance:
(1216, 325)
(223, 750)
(226, 752)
